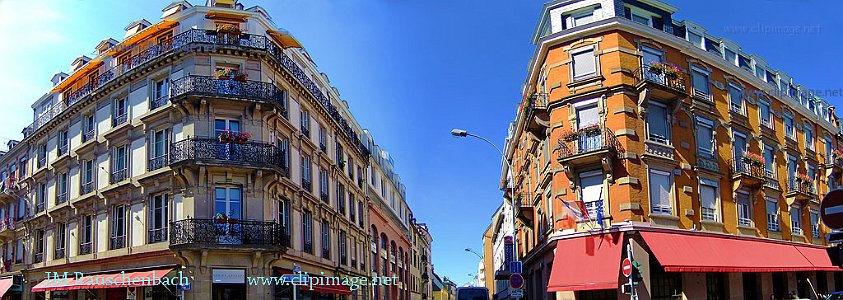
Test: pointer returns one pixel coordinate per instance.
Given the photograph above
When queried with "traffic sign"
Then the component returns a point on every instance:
(296, 269)
(184, 287)
(515, 267)
(626, 267)
(295, 279)
(831, 209)
(516, 293)
(516, 281)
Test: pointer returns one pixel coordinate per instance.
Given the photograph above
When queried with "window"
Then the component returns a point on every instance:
(744, 209)
(119, 164)
(809, 137)
(651, 56)
(708, 200)
(85, 241)
(730, 56)
(744, 62)
(284, 216)
(591, 190)
(361, 220)
(39, 246)
(120, 112)
(305, 123)
(306, 173)
(796, 219)
(765, 114)
(791, 169)
(40, 198)
(772, 214)
(588, 115)
(664, 285)
(738, 146)
(326, 240)
(641, 18)
(769, 157)
(61, 188)
(580, 18)
(812, 173)
(284, 148)
(18, 251)
(702, 87)
(660, 186)
(42, 156)
(340, 155)
(221, 125)
(61, 239)
(160, 149)
(158, 219)
(63, 143)
(161, 94)
(307, 231)
(323, 185)
(227, 202)
(352, 207)
(789, 128)
(716, 286)
(658, 129)
(341, 198)
(88, 128)
(736, 99)
(118, 227)
(815, 224)
(87, 182)
(343, 245)
(584, 63)
(696, 39)
(760, 73)
(705, 137)
(323, 139)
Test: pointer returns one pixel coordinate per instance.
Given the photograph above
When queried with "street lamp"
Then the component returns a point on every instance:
(475, 253)
(461, 133)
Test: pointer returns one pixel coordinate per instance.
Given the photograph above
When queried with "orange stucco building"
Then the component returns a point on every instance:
(646, 132)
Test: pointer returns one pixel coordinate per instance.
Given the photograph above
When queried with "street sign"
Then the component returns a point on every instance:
(295, 279)
(515, 267)
(296, 269)
(184, 287)
(516, 281)
(831, 209)
(626, 267)
(516, 293)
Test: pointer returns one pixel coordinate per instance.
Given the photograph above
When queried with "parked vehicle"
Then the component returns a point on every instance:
(472, 293)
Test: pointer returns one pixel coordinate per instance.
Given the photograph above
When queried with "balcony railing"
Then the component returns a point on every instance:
(158, 162)
(212, 151)
(86, 188)
(119, 119)
(157, 235)
(7, 224)
(59, 253)
(39, 207)
(645, 75)
(119, 175)
(324, 196)
(203, 233)
(196, 39)
(86, 248)
(209, 86)
(118, 242)
(583, 143)
(158, 102)
(62, 149)
(832, 161)
(800, 186)
(741, 167)
(88, 135)
(38, 257)
(61, 198)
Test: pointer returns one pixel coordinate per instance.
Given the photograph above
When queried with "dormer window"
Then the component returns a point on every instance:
(641, 18)
(581, 16)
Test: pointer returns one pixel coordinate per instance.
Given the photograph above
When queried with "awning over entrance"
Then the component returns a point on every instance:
(5, 284)
(101, 281)
(327, 288)
(684, 252)
(587, 263)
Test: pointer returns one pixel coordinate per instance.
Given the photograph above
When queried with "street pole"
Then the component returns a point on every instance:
(632, 294)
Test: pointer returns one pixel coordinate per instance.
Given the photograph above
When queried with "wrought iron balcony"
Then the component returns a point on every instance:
(7, 227)
(256, 91)
(118, 242)
(536, 114)
(119, 175)
(834, 164)
(158, 162)
(580, 147)
(219, 233)
(324, 196)
(62, 149)
(158, 102)
(38, 257)
(120, 119)
(326, 253)
(800, 189)
(88, 135)
(39, 207)
(210, 151)
(86, 248)
(747, 174)
(157, 235)
(59, 253)
(86, 188)
(61, 198)
(661, 85)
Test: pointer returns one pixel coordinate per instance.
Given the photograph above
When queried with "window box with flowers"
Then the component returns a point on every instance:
(228, 29)
(587, 131)
(233, 137)
(804, 178)
(669, 71)
(753, 159)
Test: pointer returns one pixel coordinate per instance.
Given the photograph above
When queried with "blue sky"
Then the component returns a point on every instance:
(412, 71)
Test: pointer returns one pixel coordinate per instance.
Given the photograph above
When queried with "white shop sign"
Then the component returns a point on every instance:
(229, 276)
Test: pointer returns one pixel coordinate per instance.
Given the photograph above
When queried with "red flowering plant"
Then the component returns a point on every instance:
(241, 77)
(753, 158)
(225, 73)
(590, 130)
(804, 178)
(228, 28)
(663, 68)
(231, 136)
(837, 153)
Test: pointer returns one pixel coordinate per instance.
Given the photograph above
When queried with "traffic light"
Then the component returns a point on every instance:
(636, 272)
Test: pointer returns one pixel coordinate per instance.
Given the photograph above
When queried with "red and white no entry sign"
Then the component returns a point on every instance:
(831, 209)
(626, 267)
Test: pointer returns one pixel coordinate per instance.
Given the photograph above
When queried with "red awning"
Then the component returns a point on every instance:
(328, 288)
(102, 281)
(5, 284)
(586, 263)
(684, 252)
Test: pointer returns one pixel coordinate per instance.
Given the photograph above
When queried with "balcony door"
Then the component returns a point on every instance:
(228, 211)
(226, 151)
(588, 116)
(738, 148)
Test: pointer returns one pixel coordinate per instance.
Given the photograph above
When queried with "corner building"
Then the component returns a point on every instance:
(641, 131)
(206, 143)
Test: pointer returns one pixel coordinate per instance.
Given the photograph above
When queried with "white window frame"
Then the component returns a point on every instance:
(742, 109)
(791, 133)
(662, 140)
(591, 206)
(707, 75)
(587, 50)
(713, 216)
(772, 220)
(809, 137)
(710, 124)
(765, 103)
(744, 217)
(796, 219)
(634, 11)
(661, 208)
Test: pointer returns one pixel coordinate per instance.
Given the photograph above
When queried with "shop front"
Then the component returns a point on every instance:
(325, 289)
(146, 284)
